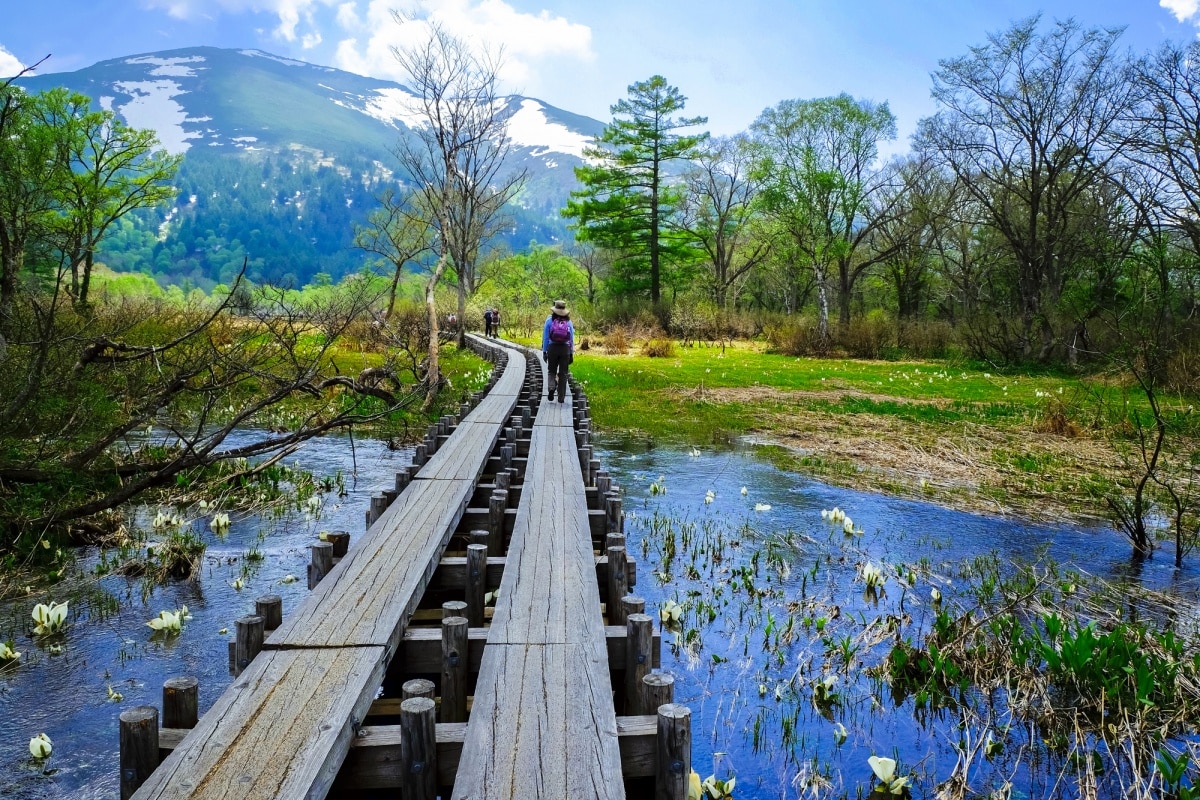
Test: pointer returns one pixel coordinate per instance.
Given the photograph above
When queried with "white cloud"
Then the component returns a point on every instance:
(1182, 9)
(9, 64)
(296, 17)
(527, 40)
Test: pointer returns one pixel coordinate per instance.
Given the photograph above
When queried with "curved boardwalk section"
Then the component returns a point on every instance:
(518, 700)
(283, 728)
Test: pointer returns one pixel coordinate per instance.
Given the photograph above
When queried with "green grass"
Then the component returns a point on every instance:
(672, 397)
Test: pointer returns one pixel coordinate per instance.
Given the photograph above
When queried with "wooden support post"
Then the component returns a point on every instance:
(463, 410)
(322, 563)
(639, 651)
(402, 481)
(526, 416)
(417, 687)
(674, 752)
(506, 455)
(613, 539)
(419, 456)
(585, 456)
(632, 604)
(612, 512)
(249, 640)
(603, 482)
(139, 747)
(340, 541)
(454, 669)
(504, 481)
(181, 702)
(453, 608)
(593, 471)
(478, 537)
(270, 608)
(617, 584)
(476, 583)
(379, 504)
(658, 689)
(418, 749)
(497, 505)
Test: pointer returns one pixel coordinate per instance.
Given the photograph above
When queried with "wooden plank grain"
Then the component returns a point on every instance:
(369, 595)
(281, 730)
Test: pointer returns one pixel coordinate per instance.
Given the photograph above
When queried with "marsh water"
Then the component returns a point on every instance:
(747, 686)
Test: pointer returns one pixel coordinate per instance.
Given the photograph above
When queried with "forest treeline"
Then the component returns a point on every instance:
(1045, 212)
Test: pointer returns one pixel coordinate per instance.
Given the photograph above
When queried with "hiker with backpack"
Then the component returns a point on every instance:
(487, 323)
(558, 348)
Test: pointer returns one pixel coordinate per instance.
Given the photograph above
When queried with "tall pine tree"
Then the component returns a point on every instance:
(626, 201)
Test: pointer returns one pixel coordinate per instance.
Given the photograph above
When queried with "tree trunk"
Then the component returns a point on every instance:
(822, 307)
(433, 377)
(85, 281)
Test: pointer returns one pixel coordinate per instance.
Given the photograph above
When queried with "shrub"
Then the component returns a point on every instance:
(793, 336)
(659, 347)
(866, 337)
(926, 338)
(616, 340)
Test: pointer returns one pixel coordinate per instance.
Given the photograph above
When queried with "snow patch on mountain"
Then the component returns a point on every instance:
(529, 127)
(291, 62)
(168, 67)
(393, 105)
(153, 106)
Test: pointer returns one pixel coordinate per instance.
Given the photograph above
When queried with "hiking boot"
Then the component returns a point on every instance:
(550, 394)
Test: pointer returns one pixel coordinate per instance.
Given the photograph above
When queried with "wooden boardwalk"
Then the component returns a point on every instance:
(295, 723)
(543, 724)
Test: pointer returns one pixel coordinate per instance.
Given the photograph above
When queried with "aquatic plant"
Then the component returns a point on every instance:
(168, 622)
(718, 789)
(220, 522)
(885, 771)
(40, 746)
(7, 653)
(50, 619)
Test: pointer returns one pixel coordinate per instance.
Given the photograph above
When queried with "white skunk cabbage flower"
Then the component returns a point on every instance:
(762, 506)
(49, 618)
(40, 746)
(170, 622)
(7, 653)
(885, 770)
(670, 612)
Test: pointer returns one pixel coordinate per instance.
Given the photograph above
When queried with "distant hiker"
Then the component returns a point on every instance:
(495, 323)
(558, 348)
(487, 323)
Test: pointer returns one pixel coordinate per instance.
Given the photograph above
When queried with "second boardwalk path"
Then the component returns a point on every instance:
(543, 724)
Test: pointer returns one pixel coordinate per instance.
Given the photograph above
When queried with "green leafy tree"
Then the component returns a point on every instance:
(628, 201)
(817, 160)
(107, 170)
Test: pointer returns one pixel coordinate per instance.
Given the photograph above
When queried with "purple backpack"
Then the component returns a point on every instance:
(560, 329)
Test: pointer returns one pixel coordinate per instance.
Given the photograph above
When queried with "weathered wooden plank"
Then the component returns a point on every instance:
(370, 594)
(374, 758)
(421, 652)
(551, 705)
(451, 573)
(281, 730)
(464, 455)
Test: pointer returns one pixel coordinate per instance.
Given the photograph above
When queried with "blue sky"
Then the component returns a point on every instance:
(731, 59)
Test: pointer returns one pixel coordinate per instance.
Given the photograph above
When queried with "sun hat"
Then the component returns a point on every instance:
(560, 308)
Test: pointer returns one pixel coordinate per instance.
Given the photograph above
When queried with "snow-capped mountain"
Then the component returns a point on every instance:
(242, 114)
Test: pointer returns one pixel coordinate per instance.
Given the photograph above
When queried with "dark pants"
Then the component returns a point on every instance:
(487, 327)
(557, 363)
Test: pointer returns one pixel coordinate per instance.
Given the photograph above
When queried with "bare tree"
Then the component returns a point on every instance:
(87, 387)
(455, 160)
(718, 212)
(397, 234)
(1027, 123)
